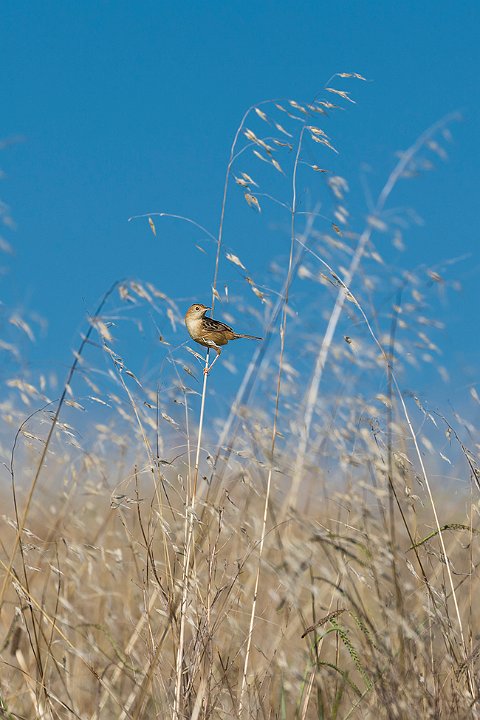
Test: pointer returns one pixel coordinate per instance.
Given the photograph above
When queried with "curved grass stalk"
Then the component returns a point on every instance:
(311, 395)
(174, 217)
(33, 484)
(275, 419)
(246, 386)
(345, 290)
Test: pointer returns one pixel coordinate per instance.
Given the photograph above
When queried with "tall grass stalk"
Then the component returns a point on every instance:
(43, 455)
(283, 329)
(190, 505)
(311, 395)
(346, 290)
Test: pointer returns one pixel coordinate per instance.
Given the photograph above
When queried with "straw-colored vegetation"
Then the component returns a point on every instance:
(293, 553)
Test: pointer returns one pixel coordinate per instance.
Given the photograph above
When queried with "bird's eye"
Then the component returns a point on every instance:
(197, 307)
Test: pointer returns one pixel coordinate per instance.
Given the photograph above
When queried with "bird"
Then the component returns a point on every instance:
(209, 332)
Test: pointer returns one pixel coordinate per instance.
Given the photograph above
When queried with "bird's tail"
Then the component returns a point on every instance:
(249, 337)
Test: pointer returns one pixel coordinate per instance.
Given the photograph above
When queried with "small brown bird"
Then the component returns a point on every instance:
(209, 332)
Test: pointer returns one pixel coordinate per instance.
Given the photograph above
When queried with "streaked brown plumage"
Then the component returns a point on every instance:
(209, 332)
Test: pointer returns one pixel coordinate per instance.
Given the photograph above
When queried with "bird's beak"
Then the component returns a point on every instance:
(206, 307)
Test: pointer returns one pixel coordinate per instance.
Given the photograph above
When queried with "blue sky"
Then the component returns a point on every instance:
(126, 108)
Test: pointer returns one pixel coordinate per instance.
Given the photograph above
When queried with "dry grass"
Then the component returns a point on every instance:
(293, 555)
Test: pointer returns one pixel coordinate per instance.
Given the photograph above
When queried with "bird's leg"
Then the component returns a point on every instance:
(218, 351)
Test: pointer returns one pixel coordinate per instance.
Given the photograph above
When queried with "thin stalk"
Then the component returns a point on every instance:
(245, 389)
(33, 485)
(190, 505)
(311, 395)
(426, 480)
(189, 519)
(274, 427)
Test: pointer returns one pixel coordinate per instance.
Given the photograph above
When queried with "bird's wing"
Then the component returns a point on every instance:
(215, 325)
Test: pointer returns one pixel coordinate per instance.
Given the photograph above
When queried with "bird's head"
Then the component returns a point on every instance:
(197, 310)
